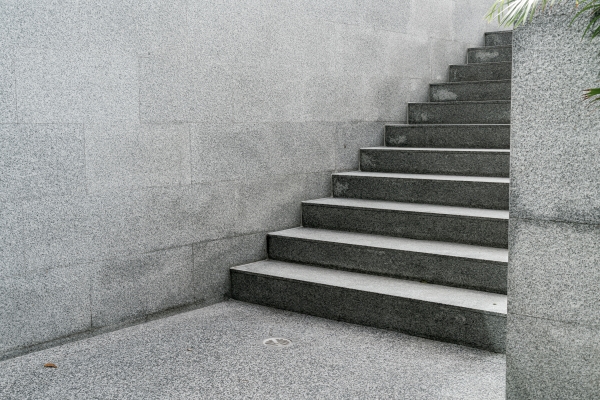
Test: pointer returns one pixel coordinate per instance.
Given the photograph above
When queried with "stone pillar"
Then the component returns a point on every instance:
(554, 263)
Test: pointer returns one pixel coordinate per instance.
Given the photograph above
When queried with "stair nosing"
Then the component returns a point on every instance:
(471, 82)
(412, 208)
(400, 288)
(464, 102)
(429, 247)
(489, 47)
(480, 63)
(434, 177)
(505, 32)
(437, 149)
(423, 126)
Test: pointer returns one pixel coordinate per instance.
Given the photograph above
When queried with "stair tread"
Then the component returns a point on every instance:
(457, 297)
(446, 125)
(508, 81)
(397, 243)
(481, 64)
(489, 47)
(410, 207)
(504, 32)
(361, 273)
(435, 149)
(393, 175)
(446, 103)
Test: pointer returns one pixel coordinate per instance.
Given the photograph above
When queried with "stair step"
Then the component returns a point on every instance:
(470, 91)
(500, 38)
(460, 112)
(469, 162)
(480, 72)
(456, 315)
(448, 136)
(489, 54)
(479, 227)
(418, 240)
(451, 264)
(449, 190)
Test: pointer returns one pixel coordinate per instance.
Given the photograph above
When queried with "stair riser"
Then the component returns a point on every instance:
(443, 162)
(480, 72)
(459, 113)
(498, 39)
(450, 271)
(476, 91)
(449, 136)
(489, 55)
(431, 320)
(443, 228)
(488, 195)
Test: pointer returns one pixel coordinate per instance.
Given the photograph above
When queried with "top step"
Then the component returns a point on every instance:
(500, 38)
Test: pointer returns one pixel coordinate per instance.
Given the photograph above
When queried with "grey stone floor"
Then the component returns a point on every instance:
(217, 353)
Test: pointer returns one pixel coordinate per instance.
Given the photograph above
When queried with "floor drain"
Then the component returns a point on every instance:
(277, 342)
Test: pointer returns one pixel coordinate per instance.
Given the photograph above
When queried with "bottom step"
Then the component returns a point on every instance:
(462, 316)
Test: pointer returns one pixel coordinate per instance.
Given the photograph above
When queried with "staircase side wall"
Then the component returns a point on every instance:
(553, 346)
(148, 146)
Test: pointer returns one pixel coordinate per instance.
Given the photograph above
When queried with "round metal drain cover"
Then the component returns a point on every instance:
(277, 342)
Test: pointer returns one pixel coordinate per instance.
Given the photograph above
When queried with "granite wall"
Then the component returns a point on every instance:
(554, 263)
(148, 145)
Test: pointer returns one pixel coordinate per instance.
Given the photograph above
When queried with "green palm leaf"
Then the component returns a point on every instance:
(517, 12)
(592, 94)
(593, 8)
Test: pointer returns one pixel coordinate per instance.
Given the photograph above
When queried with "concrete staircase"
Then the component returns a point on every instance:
(417, 240)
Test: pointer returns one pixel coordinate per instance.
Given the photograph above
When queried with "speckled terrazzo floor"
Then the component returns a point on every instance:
(217, 353)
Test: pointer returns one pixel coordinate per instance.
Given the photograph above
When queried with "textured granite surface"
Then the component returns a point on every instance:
(8, 88)
(40, 160)
(420, 224)
(101, 85)
(351, 137)
(38, 307)
(480, 72)
(212, 260)
(11, 241)
(133, 128)
(554, 270)
(470, 91)
(276, 148)
(554, 126)
(125, 289)
(409, 259)
(459, 191)
(553, 261)
(464, 112)
(461, 162)
(492, 304)
(217, 353)
(551, 359)
(455, 315)
(130, 155)
(489, 54)
(276, 201)
(448, 136)
(503, 38)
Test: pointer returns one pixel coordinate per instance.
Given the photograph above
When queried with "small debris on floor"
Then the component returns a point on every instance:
(277, 342)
